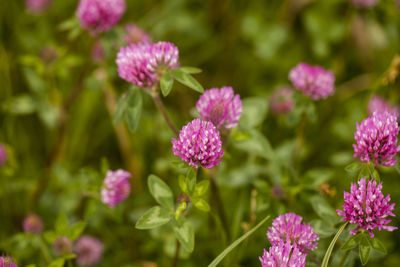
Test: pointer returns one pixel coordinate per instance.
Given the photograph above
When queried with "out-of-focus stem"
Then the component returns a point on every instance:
(176, 257)
(163, 111)
(219, 204)
(124, 142)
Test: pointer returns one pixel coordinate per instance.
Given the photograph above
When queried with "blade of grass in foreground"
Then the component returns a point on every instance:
(328, 253)
(221, 256)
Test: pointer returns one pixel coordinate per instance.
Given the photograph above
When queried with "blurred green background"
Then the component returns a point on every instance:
(57, 105)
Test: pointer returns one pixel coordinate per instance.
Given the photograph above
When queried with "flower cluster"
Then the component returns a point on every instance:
(6, 261)
(135, 35)
(281, 101)
(37, 6)
(100, 15)
(364, 3)
(199, 143)
(89, 250)
(289, 228)
(367, 207)
(143, 64)
(313, 81)
(378, 104)
(33, 224)
(283, 254)
(376, 139)
(221, 107)
(116, 187)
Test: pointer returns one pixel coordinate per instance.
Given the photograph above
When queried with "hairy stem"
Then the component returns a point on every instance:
(163, 111)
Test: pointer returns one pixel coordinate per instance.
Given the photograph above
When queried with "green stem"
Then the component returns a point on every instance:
(44, 250)
(163, 111)
(328, 253)
(176, 257)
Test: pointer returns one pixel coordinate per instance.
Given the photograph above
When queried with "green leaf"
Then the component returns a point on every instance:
(185, 234)
(351, 242)
(68, 24)
(22, 104)
(201, 188)
(61, 224)
(190, 70)
(328, 253)
(191, 180)
(134, 109)
(121, 106)
(182, 183)
(315, 177)
(254, 111)
(69, 256)
(375, 174)
(180, 209)
(187, 80)
(154, 217)
(324, 210)
(166, 83)
(31, 265)
(161, 192)
(257, 144)
(364, 172)
(50, 236)
(201, 204)
(354, 167)
(378, 245)
(364, 250)
(76, 230)
(222, 255)
(57, 263)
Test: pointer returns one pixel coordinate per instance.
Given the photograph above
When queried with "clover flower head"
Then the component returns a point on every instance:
(376, 139)
(134, 34)
(33, 224)
(62, 246)
(199, 143)
(283, 255)
(364, 3)
(3, 155)
(289, 228)
(281, 101)
(143, 64)
(37, 6)
(116, 187)
(7, 261)
(313, 81)
(89, 250)
(220, 106)
(367, 207)
(378, 104)
(100, 15)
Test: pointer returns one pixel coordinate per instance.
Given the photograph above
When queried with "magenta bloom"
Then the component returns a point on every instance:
(100, 15)
(116, 187)
(288, 228)
(89, 250)
(6, 261)
(313, 81)
(37, 6)
(135, 35)
(376, 139)
(199, 143)
(281, 101)
(220, 106)
(283, 255)
(378, 104)
(3, 155)
(62, 246)
(33, 224)
(364, 3)
(367, 207)
(143, 64)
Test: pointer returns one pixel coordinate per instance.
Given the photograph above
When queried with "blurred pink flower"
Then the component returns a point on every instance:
(364, 3)
(134, 34)
(281, 101)
(89, 250)
(100, 15)
(37, 6)
(116, 187)
(33, 224)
